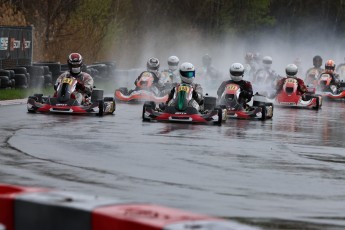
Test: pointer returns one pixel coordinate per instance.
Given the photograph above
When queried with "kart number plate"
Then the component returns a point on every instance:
(232, 87)
(183, 88)
(67, 80)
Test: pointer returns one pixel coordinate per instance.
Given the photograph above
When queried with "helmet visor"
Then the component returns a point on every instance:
(236, 73)
(172, 63)
(188, 74)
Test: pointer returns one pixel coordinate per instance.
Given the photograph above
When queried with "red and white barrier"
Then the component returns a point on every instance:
(8, 194)
(24, 208)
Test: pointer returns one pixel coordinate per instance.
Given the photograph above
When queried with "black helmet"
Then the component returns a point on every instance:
(317, 61)
(206, 60)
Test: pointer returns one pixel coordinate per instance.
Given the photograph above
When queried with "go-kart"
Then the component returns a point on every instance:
(64, 101)
(289, 97)
(144, 91)
(182, 108)
(329, 90)
(233, 104)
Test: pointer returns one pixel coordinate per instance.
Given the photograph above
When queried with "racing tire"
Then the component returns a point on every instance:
(317, 106)
(100, 108)
(263, 112)
(220, 116)
(269, 104)
(146, 105)
(111, 99)
(21, 81)
(32, 110)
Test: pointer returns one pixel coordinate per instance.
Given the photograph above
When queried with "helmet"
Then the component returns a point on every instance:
(173, 62)
(75, 62)
(206, 60)
(187, 72)
(267, 62)
(236, 71)
(317, 61)
(257, 57)
(249, 57)
(291, 70)
(330, 66)
(152, 64)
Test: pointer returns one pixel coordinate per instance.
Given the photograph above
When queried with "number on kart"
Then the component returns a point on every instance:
(67, 80)
(232, 87)
(290, 80)
(183, 88)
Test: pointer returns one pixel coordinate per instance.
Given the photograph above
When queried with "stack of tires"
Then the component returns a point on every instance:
(101, 71)
(54, 69)
(7, 78)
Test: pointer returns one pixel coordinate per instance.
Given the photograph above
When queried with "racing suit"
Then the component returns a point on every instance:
(156, 85)
(312, 75)
(197, 95)
(246, 90)
(301, 88)
(84, 86)
(335, 82)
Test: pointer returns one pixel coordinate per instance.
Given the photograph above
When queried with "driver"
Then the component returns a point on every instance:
(330, 69)
(314, 72)
(85, 81)
(236, 75)
(187, 74)
(152, 66)
(171, 75)
(291, 72)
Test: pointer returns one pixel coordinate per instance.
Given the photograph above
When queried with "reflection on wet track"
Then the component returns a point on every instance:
(284, 173)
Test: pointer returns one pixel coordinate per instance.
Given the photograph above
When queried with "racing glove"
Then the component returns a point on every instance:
(80, 87)
(195, 95)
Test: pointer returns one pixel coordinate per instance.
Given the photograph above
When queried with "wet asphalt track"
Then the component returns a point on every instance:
(284, 173)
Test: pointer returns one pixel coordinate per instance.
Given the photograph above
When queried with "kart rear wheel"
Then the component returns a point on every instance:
(145, 106)
(100, 108)
(220, 116)
(111, 100)
(263, 113)
(317, 106)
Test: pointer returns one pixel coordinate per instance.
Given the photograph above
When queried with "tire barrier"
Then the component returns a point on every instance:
(23, 208)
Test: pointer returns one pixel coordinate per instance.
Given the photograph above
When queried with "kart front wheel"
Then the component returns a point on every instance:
(100, 108)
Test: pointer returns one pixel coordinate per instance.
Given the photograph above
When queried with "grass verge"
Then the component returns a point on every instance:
(10, 94)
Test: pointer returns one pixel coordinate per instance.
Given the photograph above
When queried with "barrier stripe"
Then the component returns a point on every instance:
(57, 210)
(141, 217)
(7, 196)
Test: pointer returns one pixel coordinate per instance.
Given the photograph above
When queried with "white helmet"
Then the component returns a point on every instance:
(291, 70)
(236, 71)
(187, 72)
(152, 64)
(173, 63)
(267, 62)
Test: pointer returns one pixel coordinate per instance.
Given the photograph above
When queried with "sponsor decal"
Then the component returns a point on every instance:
(15, 44)
(26, 44)
(180, 113)
(3, 43)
